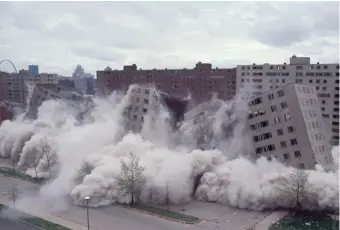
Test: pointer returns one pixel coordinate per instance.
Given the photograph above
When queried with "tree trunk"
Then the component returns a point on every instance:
(35, 170)
(49, 169)
(132, 195)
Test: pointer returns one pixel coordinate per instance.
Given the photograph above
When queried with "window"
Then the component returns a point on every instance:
(324, 88)
(324, 81)
(283, 144)
(317, 81)
(144, 110)
(322, 109)
(134, 117)
(259, 125)
(146, 101)
(280, 93)
(336, 88)
(336, 95)
(146, 91)
(290, 129)
(276, 120)
(271, 147)
(284, 105)
(310, 81)
(287, 117)
(286, 156)
(279, 132)
(297, 154)
(270, 96)
(335, 109)
(256, 101)
(293, 141)
(273, 108)
(317, 87)
(336, 102)
(323, 102)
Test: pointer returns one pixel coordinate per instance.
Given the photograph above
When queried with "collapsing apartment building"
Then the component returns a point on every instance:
(45, 92)
(285, 123)
(146, 100)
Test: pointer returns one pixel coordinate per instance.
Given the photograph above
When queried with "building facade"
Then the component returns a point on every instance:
(286, 123)
(147, 100)
(14, 88)
(43, 78)
(43, 92)
(199, 83)
(325, 78)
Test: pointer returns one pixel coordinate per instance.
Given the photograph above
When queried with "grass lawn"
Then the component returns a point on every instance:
(19, 175)
(306, 221)
(36, 221)
(165, 213)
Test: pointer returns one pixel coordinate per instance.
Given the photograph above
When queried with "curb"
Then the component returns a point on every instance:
(160, 216)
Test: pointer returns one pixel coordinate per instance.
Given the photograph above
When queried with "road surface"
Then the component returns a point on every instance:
(213, 216)
(7, 224)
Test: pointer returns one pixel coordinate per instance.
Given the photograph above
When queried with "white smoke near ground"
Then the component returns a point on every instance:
(218, 172)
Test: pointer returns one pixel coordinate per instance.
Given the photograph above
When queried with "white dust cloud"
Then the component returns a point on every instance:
(220, 173)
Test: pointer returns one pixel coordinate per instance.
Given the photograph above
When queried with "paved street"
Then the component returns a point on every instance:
(6, 224)
(214, 216)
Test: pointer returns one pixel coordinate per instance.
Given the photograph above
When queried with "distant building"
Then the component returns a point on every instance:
(33, 69)
(42, 78)
(325, 78)
(199, 83)
(14, 88)
(286, 123)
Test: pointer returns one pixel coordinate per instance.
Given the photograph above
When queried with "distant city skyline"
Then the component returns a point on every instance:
(59, 35)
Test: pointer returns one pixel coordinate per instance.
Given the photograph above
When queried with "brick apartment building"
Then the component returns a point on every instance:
(200, 82)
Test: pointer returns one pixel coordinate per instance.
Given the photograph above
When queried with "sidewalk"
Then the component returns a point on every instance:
(269, 220)
(47, 216)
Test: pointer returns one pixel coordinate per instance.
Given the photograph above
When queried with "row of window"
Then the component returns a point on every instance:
(262, 137)
(297, 154)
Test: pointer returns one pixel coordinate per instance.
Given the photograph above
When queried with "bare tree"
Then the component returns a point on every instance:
(131, 177)
(35, 166)
(167, 196)
(48, 152)
(13, 164)
(294, 188)
(85, 169)
(14, 194)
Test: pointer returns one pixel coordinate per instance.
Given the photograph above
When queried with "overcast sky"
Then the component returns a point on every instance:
(59, 35)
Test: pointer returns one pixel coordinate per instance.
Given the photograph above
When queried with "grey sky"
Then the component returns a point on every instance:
(59, 35)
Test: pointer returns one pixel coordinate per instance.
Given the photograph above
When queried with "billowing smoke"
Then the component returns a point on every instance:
(206, 159)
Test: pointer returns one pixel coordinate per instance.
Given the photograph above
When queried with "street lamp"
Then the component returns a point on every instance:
(87, 198)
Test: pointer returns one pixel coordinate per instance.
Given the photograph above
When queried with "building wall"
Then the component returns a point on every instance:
(14, 88)
(45, 92)
(285, 132)
(200, 82)
(142, 100)
(325, 77)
